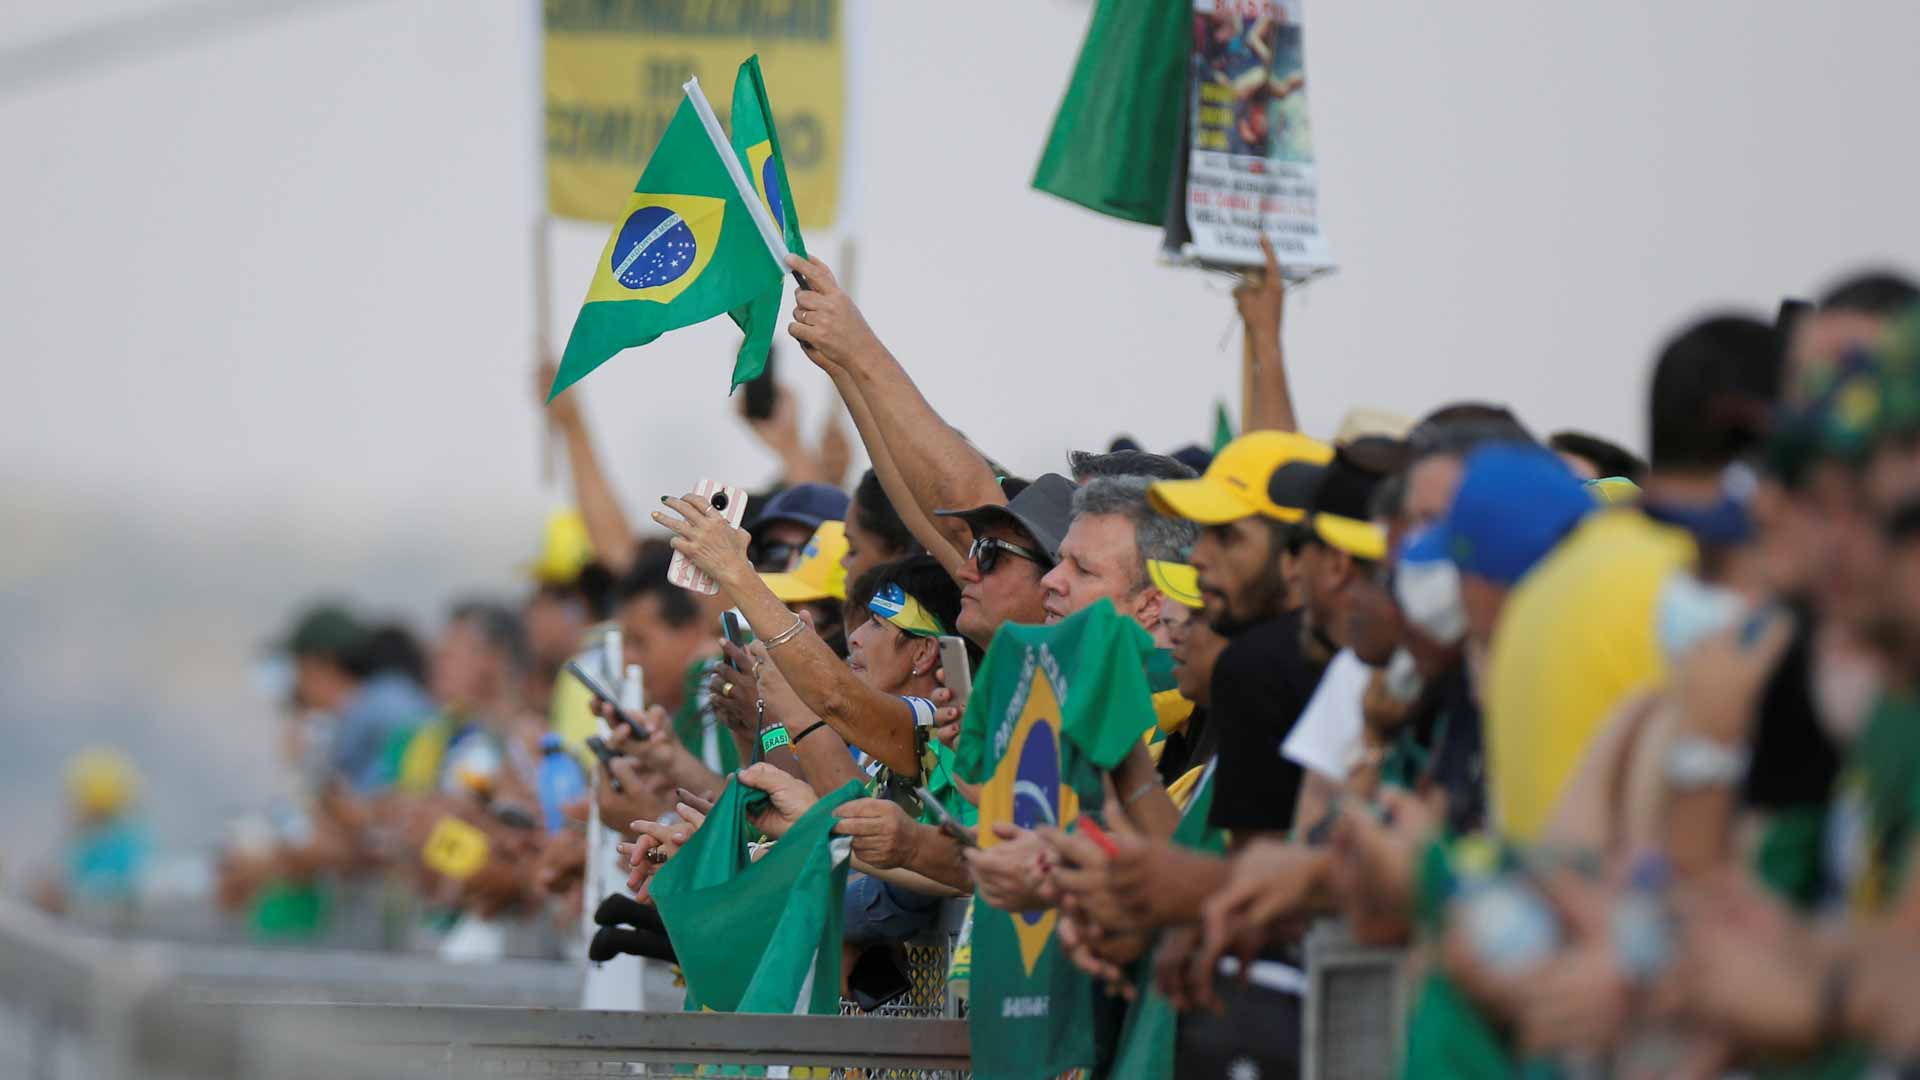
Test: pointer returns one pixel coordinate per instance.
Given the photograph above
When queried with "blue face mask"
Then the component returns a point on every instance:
(1689, 610)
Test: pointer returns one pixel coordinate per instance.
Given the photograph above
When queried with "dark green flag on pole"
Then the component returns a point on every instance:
(1116, 138)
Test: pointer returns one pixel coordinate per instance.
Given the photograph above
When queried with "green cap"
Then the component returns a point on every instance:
(324, 630)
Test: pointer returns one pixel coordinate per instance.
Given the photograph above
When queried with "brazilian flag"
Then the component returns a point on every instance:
(758, 144)
(686, 250)
(1052, 708)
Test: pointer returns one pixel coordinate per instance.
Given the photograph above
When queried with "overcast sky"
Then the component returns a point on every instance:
(267, 301)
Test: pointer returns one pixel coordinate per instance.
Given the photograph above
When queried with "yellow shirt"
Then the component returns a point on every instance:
(1575, 638)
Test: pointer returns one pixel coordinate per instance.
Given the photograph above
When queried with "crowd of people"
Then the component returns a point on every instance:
(1623, 750)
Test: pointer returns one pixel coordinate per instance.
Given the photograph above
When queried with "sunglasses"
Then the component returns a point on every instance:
(986, 551)
(770, 557)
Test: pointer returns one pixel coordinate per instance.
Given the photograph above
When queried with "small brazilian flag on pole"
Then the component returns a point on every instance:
(697, 240)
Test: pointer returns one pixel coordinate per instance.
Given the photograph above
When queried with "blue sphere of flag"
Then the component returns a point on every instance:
(1036, 788)
(770, 183)
(655, 247)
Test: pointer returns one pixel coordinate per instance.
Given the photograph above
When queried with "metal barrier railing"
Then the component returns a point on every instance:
(570, 1042)
(1355, 1008)
(74, 1008)
(78, 1009)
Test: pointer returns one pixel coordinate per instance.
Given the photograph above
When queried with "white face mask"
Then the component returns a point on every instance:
(1429, 595)
(1403, 677)
(1689, 610)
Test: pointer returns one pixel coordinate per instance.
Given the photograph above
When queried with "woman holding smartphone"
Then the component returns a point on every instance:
(868, 704)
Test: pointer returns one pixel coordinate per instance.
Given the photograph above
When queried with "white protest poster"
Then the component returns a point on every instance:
(1250, 165)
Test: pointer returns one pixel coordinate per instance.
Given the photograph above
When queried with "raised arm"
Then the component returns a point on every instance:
(1269, 406)
(935, 462)
(607, 525)
(944, 538)
(879, 723)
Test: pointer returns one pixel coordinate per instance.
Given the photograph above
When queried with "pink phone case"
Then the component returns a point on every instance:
(685, 574)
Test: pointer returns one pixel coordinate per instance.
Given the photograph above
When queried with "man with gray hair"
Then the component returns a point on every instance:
(1114, 532)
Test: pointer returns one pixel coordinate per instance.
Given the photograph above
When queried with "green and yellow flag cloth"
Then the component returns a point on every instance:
(1052, 707)
(758, 937)
(688, 248)
(757, 142)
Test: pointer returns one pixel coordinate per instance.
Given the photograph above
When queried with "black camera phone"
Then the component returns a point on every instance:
(599, 690)
(877, 978)
(606, 755)
(757, 402)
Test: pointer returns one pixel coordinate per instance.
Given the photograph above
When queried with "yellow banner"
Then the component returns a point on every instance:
(614, 70)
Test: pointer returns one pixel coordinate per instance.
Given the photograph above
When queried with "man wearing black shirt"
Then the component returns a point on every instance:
(1263, 678)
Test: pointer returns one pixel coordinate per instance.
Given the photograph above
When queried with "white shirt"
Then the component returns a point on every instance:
(1329, 730)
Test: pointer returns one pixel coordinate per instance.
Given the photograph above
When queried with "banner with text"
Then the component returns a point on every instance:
(613, 74)
(1250, 166)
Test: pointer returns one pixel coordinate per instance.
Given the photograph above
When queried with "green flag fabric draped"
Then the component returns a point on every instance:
(758, 937)
(1052, 707)
(1116, 138)
(757, 143)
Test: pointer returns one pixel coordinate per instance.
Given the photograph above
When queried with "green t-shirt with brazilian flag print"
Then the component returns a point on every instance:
(1052, 707)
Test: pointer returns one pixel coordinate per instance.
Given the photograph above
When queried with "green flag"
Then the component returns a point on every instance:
(1147, 1040)
(1116, 138)
(1038, 749)
(758, 936)
(758, 144)
(1222, 426)
(685, 251)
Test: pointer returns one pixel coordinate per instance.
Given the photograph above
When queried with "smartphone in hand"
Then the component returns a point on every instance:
(735, 631)
(601, 692)
(948, 823)
(606, 755)
(730, 502)
(954, 669)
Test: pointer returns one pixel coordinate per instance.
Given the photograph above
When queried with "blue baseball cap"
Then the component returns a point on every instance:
(1515, 502)
(804, 504)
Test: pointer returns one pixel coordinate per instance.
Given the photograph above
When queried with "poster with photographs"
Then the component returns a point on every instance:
(1249, 166)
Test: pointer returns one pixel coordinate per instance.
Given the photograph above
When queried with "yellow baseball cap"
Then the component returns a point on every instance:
(1235, 484)
(819, 575)
(564, 549)
(1360, 539)
(1176, 581)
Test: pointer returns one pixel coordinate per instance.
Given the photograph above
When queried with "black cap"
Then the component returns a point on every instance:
(1293, 484)
(1043, 509)
(1348, 481)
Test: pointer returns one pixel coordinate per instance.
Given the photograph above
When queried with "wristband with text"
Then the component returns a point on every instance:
(774, 738)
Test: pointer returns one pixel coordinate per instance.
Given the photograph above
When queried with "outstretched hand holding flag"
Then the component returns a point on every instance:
(698, 239)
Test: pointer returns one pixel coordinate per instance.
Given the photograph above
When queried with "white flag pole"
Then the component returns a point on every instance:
(769, 232)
